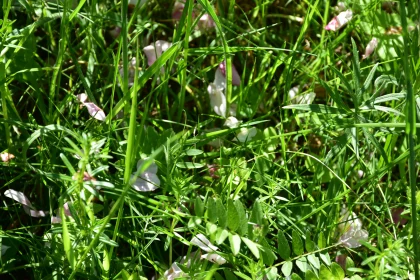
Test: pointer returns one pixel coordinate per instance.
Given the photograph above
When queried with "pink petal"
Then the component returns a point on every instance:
(177, 11)
(206, 22)
(236, 79)
(5, 157)
(34, 213)
(332, 25)
(371, 46)
(339, 21)
(95, 111)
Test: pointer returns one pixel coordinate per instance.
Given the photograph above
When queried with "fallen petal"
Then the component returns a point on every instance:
(370, 47)
(154, 51)
(177, 11)
(147, 182)
(201, 241)
(95, 111)
(34, 213)
(5, 157)
(339, 21)
(18, 196)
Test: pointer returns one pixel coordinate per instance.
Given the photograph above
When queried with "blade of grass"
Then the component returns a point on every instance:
(410, 131)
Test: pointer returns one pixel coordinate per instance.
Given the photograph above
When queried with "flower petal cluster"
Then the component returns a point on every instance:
(339, 21)
(27, 205)
(148, 180)
(92, 108)
(351, 229)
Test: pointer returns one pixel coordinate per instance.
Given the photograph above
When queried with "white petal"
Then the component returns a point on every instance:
(201, 241)
(293, 92)
(82, 97)
(5, 157)
(217, 100)
(306, 98)
(147, 182)
(173, 273)
(95, 111)
(154, 51)
(219, 79)
(246, 134)
(34, 213)
(55, 220)
(214, 258)
(232, 122)
(352, 238)
(339, 21)
(151, 169)
(18, 196)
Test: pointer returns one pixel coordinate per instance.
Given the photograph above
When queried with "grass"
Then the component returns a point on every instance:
(269, 193)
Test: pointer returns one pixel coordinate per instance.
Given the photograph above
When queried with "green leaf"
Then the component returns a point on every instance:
(229, 275)
(314, 261)
(67, 240)
(325, 258)
(309, 244)
(198, 207)
(317, 108)
(243, 221)
(309, 275)
(295, 277)
(211, 229)
(302, 264)
(232, 216)
(325, 273)
(283, 246)
(321, 241)
(286, 268)
(193, 152)
(221, 235)
(297, 243)
(256, 214)
(337, 271)
(267, 255)
(235, 243)
(189, 165)
(272, 273)
(253, 247)
(221, 213)
(211, 210)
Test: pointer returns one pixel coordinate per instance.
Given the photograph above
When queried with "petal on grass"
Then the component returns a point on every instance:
(214, 258)
(370, 48)
(18, 196)
(146, 182)
(95, 111)
(82, 97)
(201, 241)
(34, 213)
(154, 51)
(339, 21)
(236, 79)
(6, 157)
